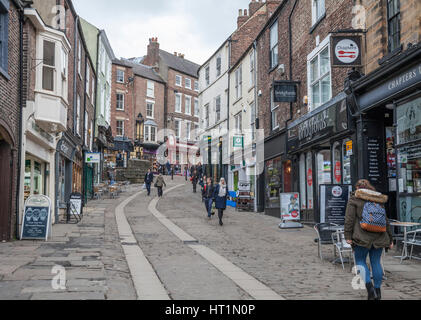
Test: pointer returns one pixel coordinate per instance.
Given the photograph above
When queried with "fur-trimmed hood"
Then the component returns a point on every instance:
(372, 196)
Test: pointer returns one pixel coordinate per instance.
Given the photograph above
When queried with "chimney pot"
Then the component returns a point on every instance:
(240, 12)
(245, 12)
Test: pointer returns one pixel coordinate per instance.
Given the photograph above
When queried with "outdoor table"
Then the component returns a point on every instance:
(405, 226)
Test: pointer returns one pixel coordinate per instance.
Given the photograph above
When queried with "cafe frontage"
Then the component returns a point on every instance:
(388, 122)
(321, 150)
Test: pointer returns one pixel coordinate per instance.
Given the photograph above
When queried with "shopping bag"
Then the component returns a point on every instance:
(144, 186)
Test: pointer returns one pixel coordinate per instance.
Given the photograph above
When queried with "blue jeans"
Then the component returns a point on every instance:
(148, 188)
(208, 205)
(375, 261)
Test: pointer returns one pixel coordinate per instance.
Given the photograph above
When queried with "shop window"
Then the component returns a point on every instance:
(337, 163)
(61, 179)
(324, 167)
(309, 178)
(287, 176)
(303, 190)
(273, 183)
(346, 164)
(34, 178)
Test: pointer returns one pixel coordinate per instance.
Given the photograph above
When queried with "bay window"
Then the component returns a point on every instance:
(49, 65)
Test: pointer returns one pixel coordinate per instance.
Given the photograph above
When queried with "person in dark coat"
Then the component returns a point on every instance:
(202, 183)
(207, 194)
(149, 181)
(364, 242)
(195, 180)
(220, 195)
(159, 184)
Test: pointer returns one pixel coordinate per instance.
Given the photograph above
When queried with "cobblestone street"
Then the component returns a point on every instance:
(264, 256)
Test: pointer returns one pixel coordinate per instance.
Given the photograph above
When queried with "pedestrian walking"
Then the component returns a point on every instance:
(207, 195)
(202, 183)
(172, 173)
(368, 230)
(220, 195)
(148, 181)
(159, 184)
(195, 180)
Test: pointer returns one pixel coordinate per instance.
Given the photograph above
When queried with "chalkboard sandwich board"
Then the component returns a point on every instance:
(37, 224)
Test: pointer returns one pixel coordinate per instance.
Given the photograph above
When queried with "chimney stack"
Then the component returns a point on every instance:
(254, 6)
(242, 18)
(152, 58)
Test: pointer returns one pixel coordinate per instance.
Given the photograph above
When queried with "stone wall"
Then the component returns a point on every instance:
(135, 171)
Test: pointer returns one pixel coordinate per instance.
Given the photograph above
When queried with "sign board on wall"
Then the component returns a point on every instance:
(37, 224)
(346, 51)
(333, 203)
(93, 158)
(285, 91)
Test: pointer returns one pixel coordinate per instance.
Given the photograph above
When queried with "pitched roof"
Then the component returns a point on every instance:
(140, 69)
(179, 64)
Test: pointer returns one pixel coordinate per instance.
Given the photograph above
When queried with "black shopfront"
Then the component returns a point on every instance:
(387, 112)
(321, 148)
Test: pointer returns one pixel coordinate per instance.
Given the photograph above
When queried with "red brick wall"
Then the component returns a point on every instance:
(128, 112)
(171, 88)
(141, 97)
(9, 106)
(338, 16)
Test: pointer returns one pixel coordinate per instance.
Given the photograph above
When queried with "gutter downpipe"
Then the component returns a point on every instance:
(228, 110)
(290, 60)
(18, 184)
(256, 112)
(95, 108)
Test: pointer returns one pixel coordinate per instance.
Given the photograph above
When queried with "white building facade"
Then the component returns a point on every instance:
(213, 101)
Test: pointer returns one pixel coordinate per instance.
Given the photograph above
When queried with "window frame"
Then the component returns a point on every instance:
(177, 123)
(239, 82)
(118, 79)
(391, 20)
(324, 45)
(122, 128)
(78, 105)
(315, 16)
(153, 109)
(196, 107)
(207, 75)
(180, 83)
(273, 113)
(274, 46)
(187, 98)
(50, 67)
(185, 82)
(252, 69)
(4, 40)
(180, 95)
(218, 108)
(150, 92)
(218, 65)
(123, 102)
(196, 85)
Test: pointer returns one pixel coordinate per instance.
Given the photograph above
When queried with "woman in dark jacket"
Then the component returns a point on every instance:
(220, 195)
(364, 242)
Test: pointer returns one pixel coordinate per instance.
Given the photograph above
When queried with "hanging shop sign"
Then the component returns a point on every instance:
(333, 203)
(238, 142)
(285, 91)
(326, 123)
(404, 81)
(346, 51)
(93, 158)
(37, 223)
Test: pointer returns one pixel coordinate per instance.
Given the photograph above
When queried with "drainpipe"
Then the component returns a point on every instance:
(18, 184)
(75, 73)
(255, 116)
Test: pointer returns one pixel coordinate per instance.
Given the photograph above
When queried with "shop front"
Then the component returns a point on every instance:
(321, 151)
(389, 130)
(64, 173)
(277, 177)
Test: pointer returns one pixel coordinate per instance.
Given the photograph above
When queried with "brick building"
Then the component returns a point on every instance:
(181, 109)
(10, 115)
(137, 109)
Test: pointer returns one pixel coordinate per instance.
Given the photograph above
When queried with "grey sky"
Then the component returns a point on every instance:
(193, 27)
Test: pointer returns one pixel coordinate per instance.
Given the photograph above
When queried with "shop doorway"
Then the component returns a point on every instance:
(5, 189)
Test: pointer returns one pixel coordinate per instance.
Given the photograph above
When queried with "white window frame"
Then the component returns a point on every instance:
(78, 116)
(238, 125)
(207, 75)
(148, 134)
(274, 47)
(148, 102)
(178, 110)
(316, 52)
(187, 80)
(318, 9)
(188, 130)
(218, 114)
(252, 69)
(177, 123)
(150, 89)
(51, 67)
(218, 66)
(124, 101)
(196, 85)
(178, 80)
(118, 78)
(122, 128)
(196, 107)
(187, 110)
(273, 108)
(239, 82)
(206, 115)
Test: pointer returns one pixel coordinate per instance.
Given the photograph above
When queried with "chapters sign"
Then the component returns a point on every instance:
(346, 51)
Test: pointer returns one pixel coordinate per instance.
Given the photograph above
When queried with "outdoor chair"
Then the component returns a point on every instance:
(413, 240)
(324, 236)
(97, 193)
(397, 236)
(343, 248)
